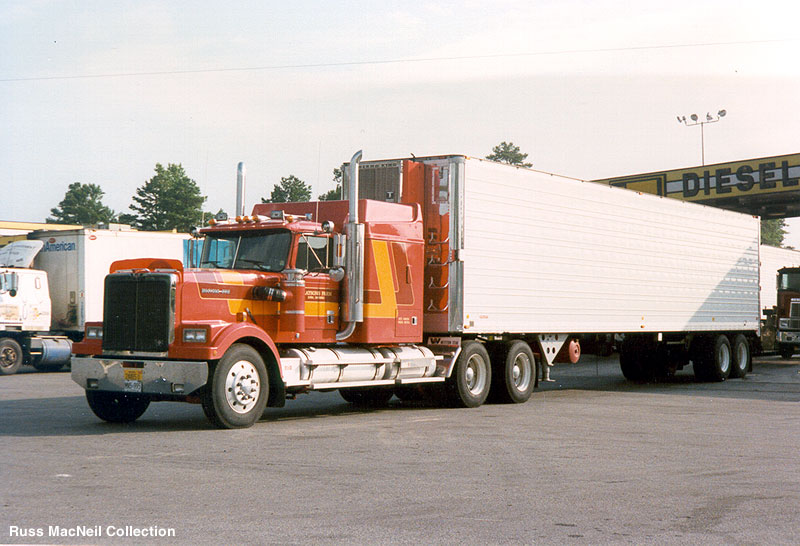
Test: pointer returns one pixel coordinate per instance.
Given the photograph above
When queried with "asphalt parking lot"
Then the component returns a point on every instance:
(590, 459)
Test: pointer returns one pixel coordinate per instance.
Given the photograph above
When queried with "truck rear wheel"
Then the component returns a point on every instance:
(514, 375)
(10, 356)
(117, 407)
(741, 356)
(370, 397)
(237, 393)
(468, 386)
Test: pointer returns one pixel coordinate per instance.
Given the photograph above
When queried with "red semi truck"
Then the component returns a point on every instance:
(444, 270)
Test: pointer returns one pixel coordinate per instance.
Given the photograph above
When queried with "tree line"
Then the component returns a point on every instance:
(171, 200)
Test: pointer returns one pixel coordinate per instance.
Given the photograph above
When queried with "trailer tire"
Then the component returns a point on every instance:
(10, 356)
(468, 386)
(741, 356)
(239, 388)
(367, 397)
(117, 407)
(633, 354)
(712, 358)
(514, 373)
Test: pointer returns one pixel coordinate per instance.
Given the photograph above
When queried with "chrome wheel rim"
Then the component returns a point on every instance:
(242, 386)
(476, 375)
(522, 372)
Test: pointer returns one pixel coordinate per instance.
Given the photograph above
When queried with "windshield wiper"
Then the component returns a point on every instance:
(258, 265)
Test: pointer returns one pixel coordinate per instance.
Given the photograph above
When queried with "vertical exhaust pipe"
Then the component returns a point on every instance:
(241, 174)
(354, 256)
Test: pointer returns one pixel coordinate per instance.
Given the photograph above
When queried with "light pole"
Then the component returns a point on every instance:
(696, 121)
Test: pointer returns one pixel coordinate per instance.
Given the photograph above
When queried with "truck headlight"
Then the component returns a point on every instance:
(194, 335)
(94, 332)
(783, 323)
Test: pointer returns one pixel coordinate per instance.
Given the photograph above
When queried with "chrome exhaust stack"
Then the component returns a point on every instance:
(241, 174)
(354, 256)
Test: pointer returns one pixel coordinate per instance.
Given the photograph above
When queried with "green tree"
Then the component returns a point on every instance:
(169, 200)
(773, 231)
(82, 204)
(336, 193)
(506, 152)
(290, 190)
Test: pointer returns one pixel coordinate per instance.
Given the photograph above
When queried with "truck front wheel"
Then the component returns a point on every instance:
(468, 386)
(116, 407)
(237, 393)
(786, 351)
(10, 356)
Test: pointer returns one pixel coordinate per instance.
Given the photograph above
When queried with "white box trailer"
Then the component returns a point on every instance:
(548, 258)
(74, 264)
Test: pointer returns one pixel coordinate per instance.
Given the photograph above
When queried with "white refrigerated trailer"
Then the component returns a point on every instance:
(515, 252)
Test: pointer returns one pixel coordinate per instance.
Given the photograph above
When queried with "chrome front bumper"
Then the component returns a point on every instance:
(139, 376)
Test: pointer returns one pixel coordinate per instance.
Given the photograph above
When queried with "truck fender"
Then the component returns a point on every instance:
(245, 332)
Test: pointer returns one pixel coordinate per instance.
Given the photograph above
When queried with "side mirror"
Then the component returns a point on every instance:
(336, 274)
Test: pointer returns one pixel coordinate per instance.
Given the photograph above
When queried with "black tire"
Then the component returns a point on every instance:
(48, 367)
(468, 385)
(117, 407)
(514, 374)
(786, 351)
(10, 356)
(634, 353)
(368, 397)
(712, 358)
(412, 393)
(237, 393)
(741, 356)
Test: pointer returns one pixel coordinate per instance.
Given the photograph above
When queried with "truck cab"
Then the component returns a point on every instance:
(788, 311)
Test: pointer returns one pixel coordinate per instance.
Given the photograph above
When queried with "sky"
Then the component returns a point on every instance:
(99, 92)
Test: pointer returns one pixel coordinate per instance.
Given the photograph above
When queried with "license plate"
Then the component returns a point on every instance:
(133, 380)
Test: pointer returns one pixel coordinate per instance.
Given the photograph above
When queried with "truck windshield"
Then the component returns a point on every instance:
(789, 281)
(262, 250)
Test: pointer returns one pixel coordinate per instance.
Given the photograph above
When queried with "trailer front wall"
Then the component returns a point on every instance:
(539, 253)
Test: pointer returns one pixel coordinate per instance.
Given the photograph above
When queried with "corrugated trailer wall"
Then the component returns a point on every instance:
(548, 254)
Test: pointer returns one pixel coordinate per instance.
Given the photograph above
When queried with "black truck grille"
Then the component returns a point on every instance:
(138, 312)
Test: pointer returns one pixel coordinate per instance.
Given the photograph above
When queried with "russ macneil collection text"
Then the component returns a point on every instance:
(95, 531)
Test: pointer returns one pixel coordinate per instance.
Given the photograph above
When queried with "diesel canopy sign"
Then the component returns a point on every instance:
(768, 187)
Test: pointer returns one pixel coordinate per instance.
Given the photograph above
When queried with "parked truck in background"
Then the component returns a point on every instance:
(52, 283)
(788, 311)
(450, 273)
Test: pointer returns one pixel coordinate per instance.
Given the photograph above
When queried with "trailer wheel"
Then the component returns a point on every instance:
(117, 407)
(239, 388)
(712, 358)
(633, 354)
(10, 356)
(468, 386)
(514, 376)
(741, 356)
(368, 397)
